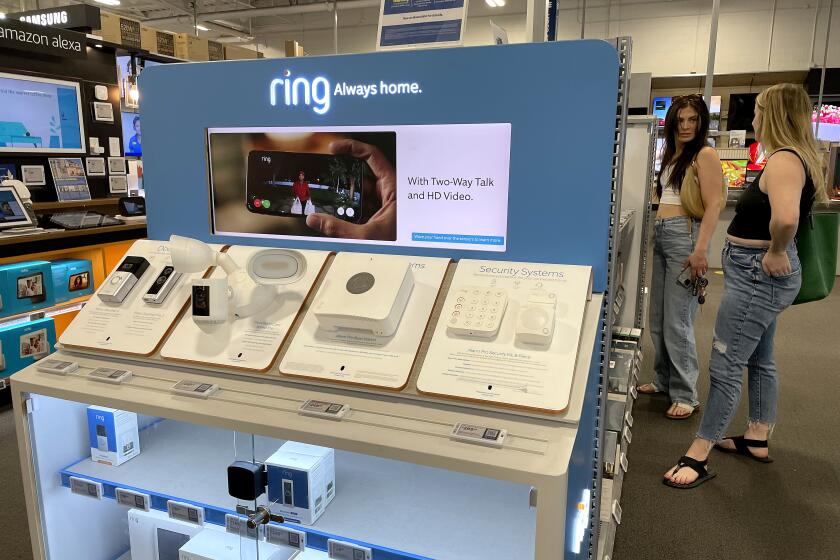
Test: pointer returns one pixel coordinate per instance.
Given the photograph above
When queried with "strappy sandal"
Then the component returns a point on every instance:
(648, 391)
(693, 411)
(742, 447)
(699, 467)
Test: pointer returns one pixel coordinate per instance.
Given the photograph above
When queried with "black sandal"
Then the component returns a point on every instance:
(697, 466)
(742, 447)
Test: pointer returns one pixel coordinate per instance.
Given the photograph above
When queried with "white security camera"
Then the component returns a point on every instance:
(248, 292)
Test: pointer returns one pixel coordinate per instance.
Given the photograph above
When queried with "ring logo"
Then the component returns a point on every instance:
(315, 94)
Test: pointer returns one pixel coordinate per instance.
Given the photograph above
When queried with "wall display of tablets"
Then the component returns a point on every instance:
(367, 320)
(128, 314)
(508, 335)
(244, 331)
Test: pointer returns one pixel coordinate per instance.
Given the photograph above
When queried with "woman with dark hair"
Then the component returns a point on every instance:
(762, 277)
(690, 192)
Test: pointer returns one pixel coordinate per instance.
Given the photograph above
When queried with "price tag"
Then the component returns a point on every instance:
(324, 409)
(616, 512)
(279, 535)
(612, 364)
(133, 499)
(623, 461)
(58, 367)
(110, 375)
(627, 435)
(185, 512)
(239, 526)
(634, 392)
(194, 389)
(628, 418)
(481, 435)
(340, 550)
(87, 488)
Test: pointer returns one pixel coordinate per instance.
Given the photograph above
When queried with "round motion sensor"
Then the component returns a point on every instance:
(276, 266)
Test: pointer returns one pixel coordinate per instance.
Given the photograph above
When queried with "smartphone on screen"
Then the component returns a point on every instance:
(298, 184)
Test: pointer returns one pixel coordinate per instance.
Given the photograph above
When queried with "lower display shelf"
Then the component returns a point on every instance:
(449, 505)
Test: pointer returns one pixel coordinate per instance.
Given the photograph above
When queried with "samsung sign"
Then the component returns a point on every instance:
(50, 18)
(317, 93)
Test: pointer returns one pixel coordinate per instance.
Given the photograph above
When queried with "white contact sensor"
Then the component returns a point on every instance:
(535, 320)
(58, 367)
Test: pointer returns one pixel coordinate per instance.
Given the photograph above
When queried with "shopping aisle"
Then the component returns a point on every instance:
(14, 543)
(785, 510)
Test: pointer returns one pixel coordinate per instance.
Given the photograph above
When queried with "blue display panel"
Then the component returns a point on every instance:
(558, 173)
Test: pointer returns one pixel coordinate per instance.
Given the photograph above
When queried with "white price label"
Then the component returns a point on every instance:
(623, 461)
(133, 499)
(194, 389)
(340, 550)
(239, 526)
(110, 375)
(87, 488)
(185, 512)
(627, 435)
(634, 392)
(324, 409)
(481, 435)
(279, 535)
(58, 367)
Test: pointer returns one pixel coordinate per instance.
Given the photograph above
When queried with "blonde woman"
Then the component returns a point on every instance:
(762, 278)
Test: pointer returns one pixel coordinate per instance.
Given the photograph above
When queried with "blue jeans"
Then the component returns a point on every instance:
(672, 311)
(744, 330)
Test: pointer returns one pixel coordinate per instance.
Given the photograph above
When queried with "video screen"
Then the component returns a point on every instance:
(741, 111)
(78, 282)
(40, 115)
(131, 134)
(440, 186)
(11, 212)
(735, 172)
(660, 108)
(30, 286)
(829, 118)
(34, 343)
(302, 184)
(295, 184)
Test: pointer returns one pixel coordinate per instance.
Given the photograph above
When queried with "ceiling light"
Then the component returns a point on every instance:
(201, 28)
(2, 15)
(495, 3)
(109, 2)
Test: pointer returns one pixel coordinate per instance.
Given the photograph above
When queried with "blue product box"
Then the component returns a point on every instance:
(24, 343)
(71, 278)
(25, 286)
(114, 436)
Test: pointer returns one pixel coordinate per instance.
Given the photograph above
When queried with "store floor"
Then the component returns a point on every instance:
(785, 510)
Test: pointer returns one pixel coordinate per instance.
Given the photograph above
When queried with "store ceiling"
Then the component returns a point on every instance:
(232, 18)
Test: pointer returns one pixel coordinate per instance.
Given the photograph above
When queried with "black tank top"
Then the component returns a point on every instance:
(752, 212)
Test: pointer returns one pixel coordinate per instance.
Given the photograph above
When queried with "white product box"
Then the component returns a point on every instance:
(216, 545)
(114, 437)
(301, 481)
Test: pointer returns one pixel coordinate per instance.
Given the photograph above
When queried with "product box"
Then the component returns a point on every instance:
(232, 52)
(293, 48)
(215, 51)
(190, 47)
(71, 278)
(215, 545)
(156, 41)
(301, 481)
(120, 30)
(114, 437)
(23, 343)
(25, 286)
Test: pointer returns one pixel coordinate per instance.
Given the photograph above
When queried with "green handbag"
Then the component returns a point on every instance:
(817, 248)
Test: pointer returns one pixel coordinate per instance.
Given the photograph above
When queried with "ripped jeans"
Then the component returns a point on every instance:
(744, 330)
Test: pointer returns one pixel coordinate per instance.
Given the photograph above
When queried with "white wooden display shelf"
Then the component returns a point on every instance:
(587, 351)
(394, 494)
(410, 435)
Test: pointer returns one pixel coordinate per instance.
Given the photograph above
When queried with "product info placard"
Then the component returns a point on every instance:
(367, 320)
(508, 334)
(441, 186)
(249, 342)
(118, 318)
